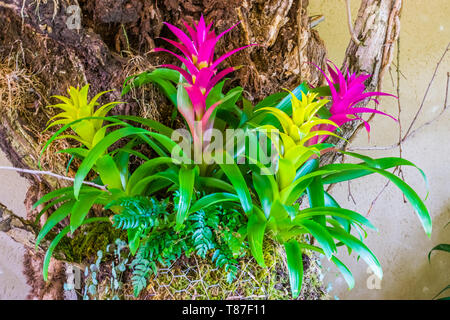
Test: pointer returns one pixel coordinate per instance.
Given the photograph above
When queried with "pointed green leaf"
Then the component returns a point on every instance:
(99, 149)
(81, 208)
(360, 248)
(58, 238)
(213, 199)
(60, 214)
(322, 236)
(237, 180)
(440, 247)
(256, 227)
(295, 266)
(108, 172)
(186, 182)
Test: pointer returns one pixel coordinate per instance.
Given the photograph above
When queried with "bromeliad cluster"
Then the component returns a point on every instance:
(225, 209)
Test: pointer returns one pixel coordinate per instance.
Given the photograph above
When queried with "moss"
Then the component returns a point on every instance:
(199, 279)
(194, 278)
(83, 247)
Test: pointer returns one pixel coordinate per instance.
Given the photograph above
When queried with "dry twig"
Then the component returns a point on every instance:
(49, 173)
(350, 24)
(410, 132)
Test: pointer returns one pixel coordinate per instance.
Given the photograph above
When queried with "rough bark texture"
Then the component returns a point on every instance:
(40, 57)
(377, 27)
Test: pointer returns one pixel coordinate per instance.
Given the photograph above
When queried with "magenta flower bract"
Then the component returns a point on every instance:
(351, 92)
(201, 70)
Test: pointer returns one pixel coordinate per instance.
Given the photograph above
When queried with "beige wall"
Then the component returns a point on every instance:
(13, 189)
(401, 245)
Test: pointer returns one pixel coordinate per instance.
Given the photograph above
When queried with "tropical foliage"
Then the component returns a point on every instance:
(187, 201)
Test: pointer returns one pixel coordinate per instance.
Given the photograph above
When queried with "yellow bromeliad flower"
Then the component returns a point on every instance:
(76, 107)
(296, 133)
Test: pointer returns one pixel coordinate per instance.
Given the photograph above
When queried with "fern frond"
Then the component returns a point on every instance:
(202, 235)
(139, 212)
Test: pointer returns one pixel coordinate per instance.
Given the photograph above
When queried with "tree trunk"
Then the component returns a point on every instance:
(377, 27)
(41, 56)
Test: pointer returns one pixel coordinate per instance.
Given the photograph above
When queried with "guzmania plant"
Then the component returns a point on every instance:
(220, 198)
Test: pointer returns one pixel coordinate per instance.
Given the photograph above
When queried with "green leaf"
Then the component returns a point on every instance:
(134, 239)
(227, 118)
(409, 193)
(360, 248)
(322, 236)
(291, 193)
(165, 141)
(237, 180)
(98, 151)
(81, 209)
(335, 212)
(256, 227)
(230, 99)
(382, 163)
(108, 171)
(443, 290)
(348, 277)
(130, 151)
(186, 182)
(272, 100)
(346, 273)
(215, 183)
(308, 167)
(57, 134)
(324, 113)
(213, 199)
(53, 203)
(60, 195)
(161, 76)
(331, 202)
(215, 94)
(280, 215)
(146, 169)
(295, 266)
(139, 187)
(58, 238)
(324, 91)
(440, 247)
(267, 190)
(80, 153)
(122, 161)
(60, 214)
(316, 197)
(53, 194)
(153, 124)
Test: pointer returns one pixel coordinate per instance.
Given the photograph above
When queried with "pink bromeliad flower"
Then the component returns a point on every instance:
(201, 71)
(351, 92)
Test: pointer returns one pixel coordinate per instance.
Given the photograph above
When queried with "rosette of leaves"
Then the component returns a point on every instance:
(110, 168)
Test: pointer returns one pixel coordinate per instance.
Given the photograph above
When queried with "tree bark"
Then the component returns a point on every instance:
(40, 56)
(377, 27)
